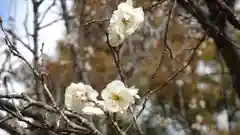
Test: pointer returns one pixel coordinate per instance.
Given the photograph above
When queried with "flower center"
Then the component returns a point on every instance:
(81, 95)
(116, 97)
(126, 19)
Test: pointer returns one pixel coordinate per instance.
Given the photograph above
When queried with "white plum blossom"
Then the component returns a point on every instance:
(196, 126)
(117, 97)
(80, 97)
(87, 66)
(179, 83)
(199, 126)
(90, 50)
(202, 104)
(78, 94)
(222, 121)
(124, 21)
(204, 129)
(199, 118)
(199, 52)
(91, 109)
(128, 17)
(164, 122)
(193, 103)
(134, 92)
(115, 36)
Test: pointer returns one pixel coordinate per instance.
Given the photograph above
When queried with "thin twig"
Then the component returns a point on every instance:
(140, 132)
(166, 46)
(175, 74)
(154, 5)
(95, 21)
(115, 55)
(47, 10)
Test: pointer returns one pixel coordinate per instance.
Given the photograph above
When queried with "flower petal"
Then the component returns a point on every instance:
(70, 91)
(115, 83)
(117, 97)
(90, 110)
(111, 106)
(115, 39)
(91, 93)
(106, 94)
(129, 2)
(125, 6)
(77, 96)
(124, 21)
(127, 98)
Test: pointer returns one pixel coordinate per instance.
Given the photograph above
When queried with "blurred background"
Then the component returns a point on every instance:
(68, 46)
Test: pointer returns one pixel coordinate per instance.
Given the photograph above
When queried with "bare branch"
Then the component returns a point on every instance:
(47, 10)
(95, 21)
(166, 46)
(20, 40)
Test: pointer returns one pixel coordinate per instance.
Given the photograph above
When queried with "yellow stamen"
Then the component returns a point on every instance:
(125, 21)
(116, 97)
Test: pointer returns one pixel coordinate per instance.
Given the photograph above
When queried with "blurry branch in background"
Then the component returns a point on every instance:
(56, 21)
(20, 40)
(95, 21)
(65, 17)
(223, 41)
(171, 78)
(80, 72)
(154, 5)
(166, 46)
(25, 24)
(47, 10)
(35, 5)
(13, 48)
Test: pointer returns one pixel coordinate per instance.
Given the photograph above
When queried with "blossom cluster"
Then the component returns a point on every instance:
(116, 97)
(124, 21)
(199, 124)
(194, 103)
